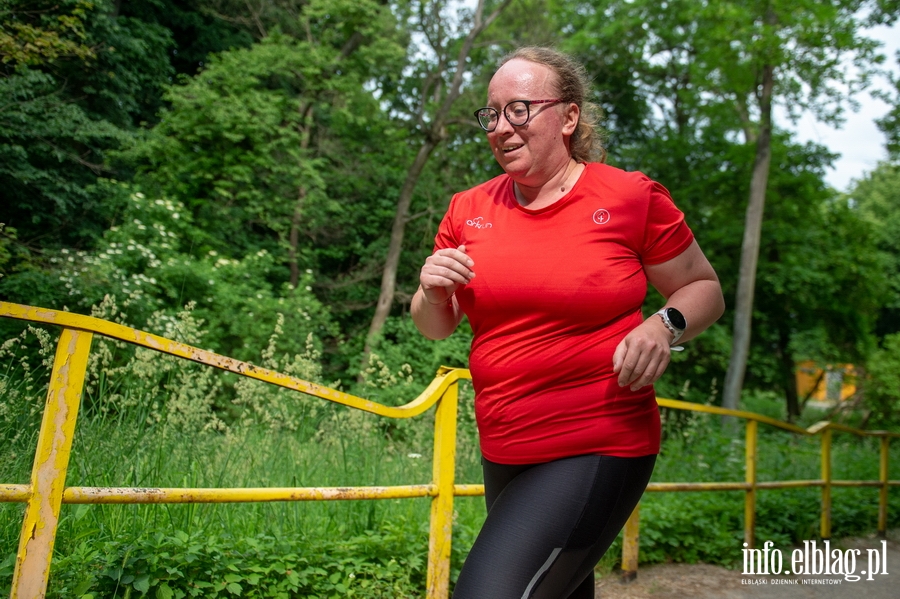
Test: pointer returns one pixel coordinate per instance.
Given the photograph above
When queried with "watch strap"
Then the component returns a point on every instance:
(676, 332)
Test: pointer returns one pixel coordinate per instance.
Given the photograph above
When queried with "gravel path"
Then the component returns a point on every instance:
(703, 581)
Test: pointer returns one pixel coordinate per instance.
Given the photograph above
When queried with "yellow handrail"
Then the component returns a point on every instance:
(751, 485)
(47, 491)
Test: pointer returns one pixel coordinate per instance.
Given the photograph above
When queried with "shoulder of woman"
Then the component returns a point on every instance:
(631, 183)
(491, 189)
(607, 170)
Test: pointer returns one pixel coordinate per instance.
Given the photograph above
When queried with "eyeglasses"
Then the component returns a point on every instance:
(517, 112)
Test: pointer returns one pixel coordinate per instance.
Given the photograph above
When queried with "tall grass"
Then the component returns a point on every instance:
(148, 420)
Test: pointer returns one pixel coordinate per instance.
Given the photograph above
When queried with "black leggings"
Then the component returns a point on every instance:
(549, 524)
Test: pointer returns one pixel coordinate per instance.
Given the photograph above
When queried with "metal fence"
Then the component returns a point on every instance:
(751, 485)
(46, 491)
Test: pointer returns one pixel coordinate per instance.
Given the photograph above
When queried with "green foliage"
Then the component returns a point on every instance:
(50, 150)
(243, 113)
(890, 123)
(146, 264)
(35, 32)
(876, 197)
(705, 528)
(198, 28)
(123, 83)
(284, 147)
(66, 108)
(7, 247)
(882, 385)
(401, 343)
(379, 564)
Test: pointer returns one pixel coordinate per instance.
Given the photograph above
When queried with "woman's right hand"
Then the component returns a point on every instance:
(444, 272)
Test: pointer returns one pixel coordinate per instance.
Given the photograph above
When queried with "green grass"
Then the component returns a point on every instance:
(126, 437)
(377, 547)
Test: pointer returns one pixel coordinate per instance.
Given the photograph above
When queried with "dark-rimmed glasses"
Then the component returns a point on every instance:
(517, 112)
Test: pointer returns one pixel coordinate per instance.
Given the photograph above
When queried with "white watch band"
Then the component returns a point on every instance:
(676, 332)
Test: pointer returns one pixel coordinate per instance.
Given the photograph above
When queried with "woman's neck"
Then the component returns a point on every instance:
(552, 190)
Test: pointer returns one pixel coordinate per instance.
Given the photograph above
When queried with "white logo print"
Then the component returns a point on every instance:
(478, 223)
(601, 216)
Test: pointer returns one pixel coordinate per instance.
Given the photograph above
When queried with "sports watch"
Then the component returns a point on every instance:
(675, 322)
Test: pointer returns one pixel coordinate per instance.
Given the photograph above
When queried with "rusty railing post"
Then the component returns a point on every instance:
(752, 459)
(631, 544)
(883, 491)
(443, 475)
(825, 526)
(51, 461)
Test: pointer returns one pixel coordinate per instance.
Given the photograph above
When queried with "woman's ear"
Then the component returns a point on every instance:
(570, 123)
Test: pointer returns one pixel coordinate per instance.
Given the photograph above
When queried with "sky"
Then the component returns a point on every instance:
(859, 141)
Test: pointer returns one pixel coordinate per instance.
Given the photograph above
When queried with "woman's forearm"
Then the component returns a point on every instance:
(701, 303)
(435, 321)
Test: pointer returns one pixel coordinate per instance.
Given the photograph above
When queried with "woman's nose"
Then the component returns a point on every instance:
(503, 125)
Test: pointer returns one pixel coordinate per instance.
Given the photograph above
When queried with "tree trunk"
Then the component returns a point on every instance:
(389, 273)
(294, 238)
(435, 134)
(788, 373)
(294, 234)
(743, 309)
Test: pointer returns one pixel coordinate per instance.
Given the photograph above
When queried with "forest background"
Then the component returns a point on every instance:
(264, 178)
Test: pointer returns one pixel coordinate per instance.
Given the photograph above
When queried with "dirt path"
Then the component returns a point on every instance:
(703, 581)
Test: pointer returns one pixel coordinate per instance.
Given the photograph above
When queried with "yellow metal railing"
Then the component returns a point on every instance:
(751, 484)
(46, 491)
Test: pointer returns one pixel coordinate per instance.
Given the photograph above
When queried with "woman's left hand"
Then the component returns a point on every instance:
(643, 355)
(689, 283)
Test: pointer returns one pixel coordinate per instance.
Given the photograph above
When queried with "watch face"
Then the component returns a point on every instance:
(676, 318)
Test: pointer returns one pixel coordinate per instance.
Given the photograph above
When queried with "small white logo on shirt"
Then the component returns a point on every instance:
(479, 223)
(601, 216)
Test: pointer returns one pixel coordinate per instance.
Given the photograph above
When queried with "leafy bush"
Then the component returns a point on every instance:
(882, 386)
(402, 346)
(147, 265)
(385, 564)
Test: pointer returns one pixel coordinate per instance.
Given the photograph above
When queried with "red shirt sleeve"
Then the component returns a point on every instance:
(666, 234)
(447, 235)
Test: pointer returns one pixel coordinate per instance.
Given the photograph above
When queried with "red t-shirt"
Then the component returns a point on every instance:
(555, 291)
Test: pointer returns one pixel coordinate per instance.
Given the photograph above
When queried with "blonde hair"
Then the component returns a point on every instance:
(586, 143)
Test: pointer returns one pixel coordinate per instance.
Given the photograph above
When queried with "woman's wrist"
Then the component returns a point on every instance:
(444, 302)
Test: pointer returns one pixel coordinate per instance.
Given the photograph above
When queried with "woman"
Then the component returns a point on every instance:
(562, 360)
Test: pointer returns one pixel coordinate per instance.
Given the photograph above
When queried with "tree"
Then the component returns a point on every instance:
(721, 66)
(51, 152)
(76, 79)
(877, 198)
(890, 123)
(690, 100)
(246, 142)
(438, 94)
(767, 52)
(38, 32)
(821, 276)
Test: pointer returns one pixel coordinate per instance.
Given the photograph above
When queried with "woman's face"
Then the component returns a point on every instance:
(533, 152)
